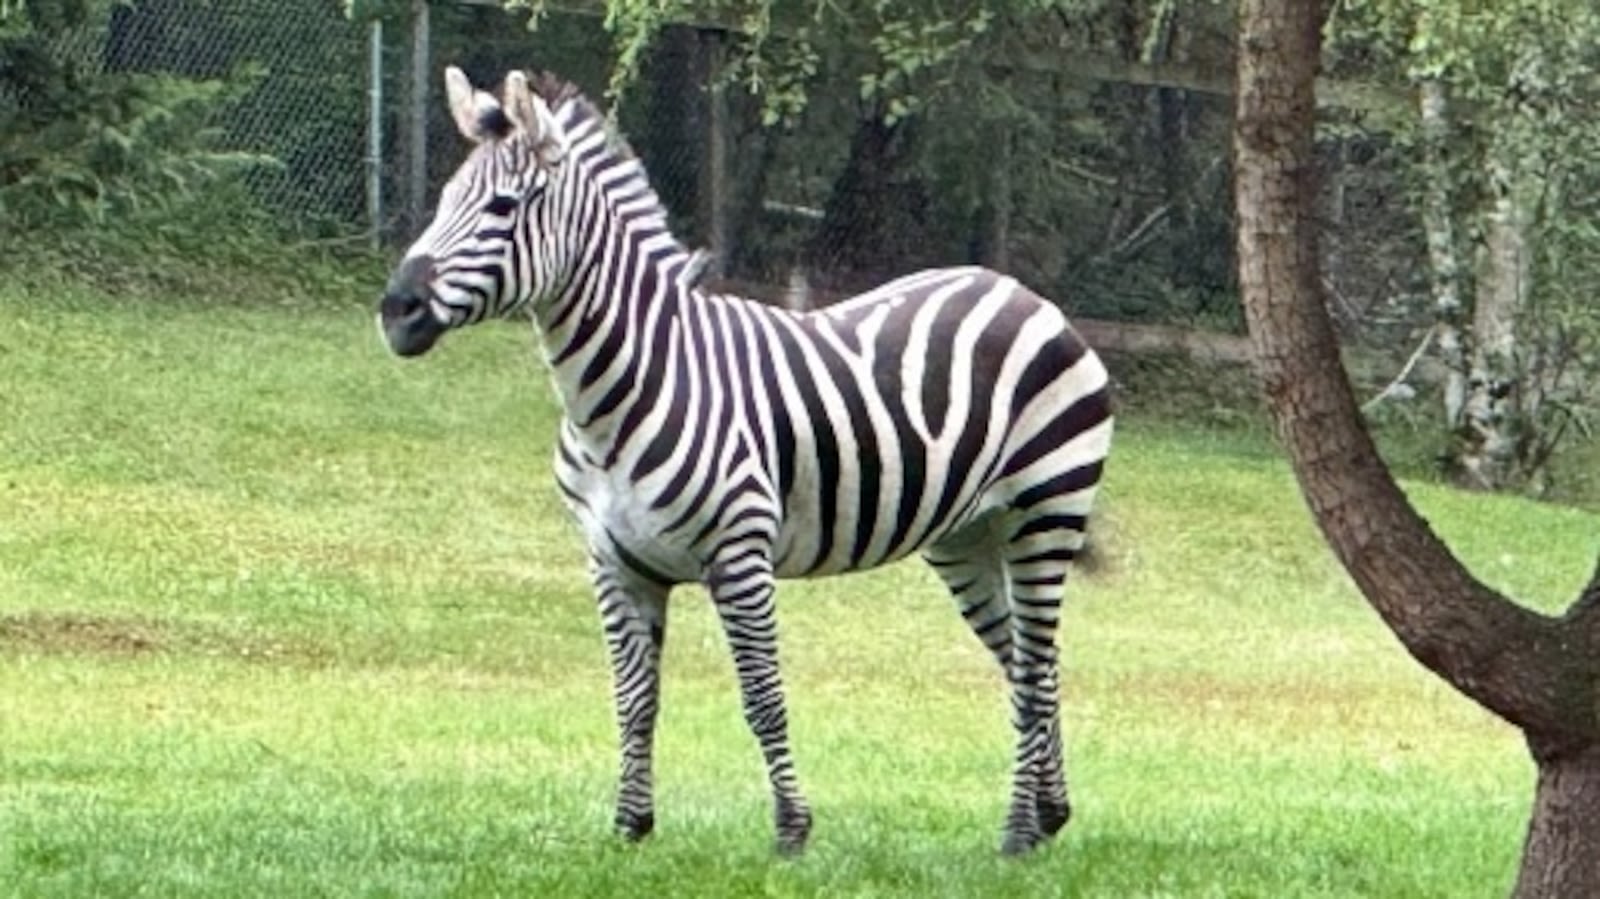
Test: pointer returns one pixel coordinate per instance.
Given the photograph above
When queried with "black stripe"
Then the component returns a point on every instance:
(1046, 523)
(1062, 484)
(643, 346)
(584, 276)
(666, 439)
(869, 462)
(1087, 412)
(1053, 360)
(653, 383)
(937, 375)
(697, 342)
(638, 565)
(827, 447)
(1059, 554)
(782, 428)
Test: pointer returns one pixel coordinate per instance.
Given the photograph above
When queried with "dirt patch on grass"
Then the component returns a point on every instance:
(86, 634)
(76, 633)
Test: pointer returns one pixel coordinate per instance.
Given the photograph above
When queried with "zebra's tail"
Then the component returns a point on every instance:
(1096, 558)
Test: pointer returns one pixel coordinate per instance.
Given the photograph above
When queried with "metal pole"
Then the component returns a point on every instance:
(419, 112)
(375, 133)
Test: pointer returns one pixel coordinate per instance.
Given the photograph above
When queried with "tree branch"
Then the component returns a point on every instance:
(1405, 372)
(1519, 664)
(1587, 607)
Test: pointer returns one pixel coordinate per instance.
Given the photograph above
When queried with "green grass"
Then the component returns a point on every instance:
(283, 616)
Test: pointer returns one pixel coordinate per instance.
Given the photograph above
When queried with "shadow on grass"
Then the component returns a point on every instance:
(82, 634)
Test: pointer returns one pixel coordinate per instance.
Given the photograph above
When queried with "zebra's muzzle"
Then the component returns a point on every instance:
(405, 315)
(408, 325)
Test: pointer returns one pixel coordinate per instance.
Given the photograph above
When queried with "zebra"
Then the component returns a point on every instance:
(711, 439)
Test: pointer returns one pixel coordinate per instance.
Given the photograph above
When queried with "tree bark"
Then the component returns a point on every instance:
(1559, 858)
(1537, 672)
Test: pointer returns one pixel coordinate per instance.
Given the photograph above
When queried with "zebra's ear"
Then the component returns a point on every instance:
(472, 109)
(532, 118)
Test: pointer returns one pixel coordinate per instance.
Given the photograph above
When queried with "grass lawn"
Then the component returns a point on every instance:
(283, 616)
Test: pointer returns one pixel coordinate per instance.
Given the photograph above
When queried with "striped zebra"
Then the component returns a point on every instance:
(708, 438)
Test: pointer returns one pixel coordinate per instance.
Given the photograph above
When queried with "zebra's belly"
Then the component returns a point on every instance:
(859, 530)
(660, 542)
(639, 538)
(791, 565)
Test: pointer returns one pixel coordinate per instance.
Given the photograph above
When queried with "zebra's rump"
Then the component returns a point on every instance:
(907, 413)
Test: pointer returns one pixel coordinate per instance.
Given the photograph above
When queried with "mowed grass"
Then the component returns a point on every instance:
(283, 616)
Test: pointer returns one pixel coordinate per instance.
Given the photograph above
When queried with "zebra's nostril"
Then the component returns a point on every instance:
(406, 297)
(401, 306)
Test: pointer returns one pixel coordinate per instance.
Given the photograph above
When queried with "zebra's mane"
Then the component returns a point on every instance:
(581, 117)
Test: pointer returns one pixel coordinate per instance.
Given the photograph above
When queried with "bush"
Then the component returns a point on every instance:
(110, 146)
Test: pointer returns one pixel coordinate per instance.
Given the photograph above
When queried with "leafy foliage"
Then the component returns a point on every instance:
(78, 145)
(113, 147)
(1520, 77)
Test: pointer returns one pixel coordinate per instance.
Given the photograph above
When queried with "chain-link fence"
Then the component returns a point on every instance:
(297, 72)
(333, 104)
(1111, 194)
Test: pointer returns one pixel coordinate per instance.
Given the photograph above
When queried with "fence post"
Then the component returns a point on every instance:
(375, 132)
(417, 152)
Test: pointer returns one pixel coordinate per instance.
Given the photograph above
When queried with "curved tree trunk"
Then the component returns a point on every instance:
(1539, 673)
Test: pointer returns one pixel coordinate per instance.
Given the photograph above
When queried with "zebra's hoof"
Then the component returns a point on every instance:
(634, 828)
(793, 831)
(1017, 844)
(1053, 816)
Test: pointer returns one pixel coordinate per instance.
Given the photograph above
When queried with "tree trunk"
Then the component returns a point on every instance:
(1502, 409)
(1492, 420)
(1444, 260)
(873, 211)
(1539, 673)
(715, 177)
(1561, 857)
(672, 136)
(991, 244)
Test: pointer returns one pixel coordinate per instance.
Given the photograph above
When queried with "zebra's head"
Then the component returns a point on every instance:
(481, 255)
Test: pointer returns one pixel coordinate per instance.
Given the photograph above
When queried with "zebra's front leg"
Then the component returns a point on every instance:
(743, 592)
(633, 614)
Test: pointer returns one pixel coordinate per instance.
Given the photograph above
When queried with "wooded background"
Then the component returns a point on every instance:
(818, 149)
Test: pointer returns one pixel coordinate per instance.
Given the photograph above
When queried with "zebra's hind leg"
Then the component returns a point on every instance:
(633, 615)
(1036, 559)
(975, 574)
(742, 589)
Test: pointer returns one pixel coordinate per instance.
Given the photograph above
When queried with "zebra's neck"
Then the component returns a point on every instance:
(615, 333)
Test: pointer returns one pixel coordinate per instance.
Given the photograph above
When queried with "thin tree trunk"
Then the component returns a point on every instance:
(1501, 410)
(992, 240)
(715, 180)
(1438, 222)
(1491, 417)
(1539, 673)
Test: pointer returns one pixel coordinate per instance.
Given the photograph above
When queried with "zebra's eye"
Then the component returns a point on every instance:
(501, 205)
